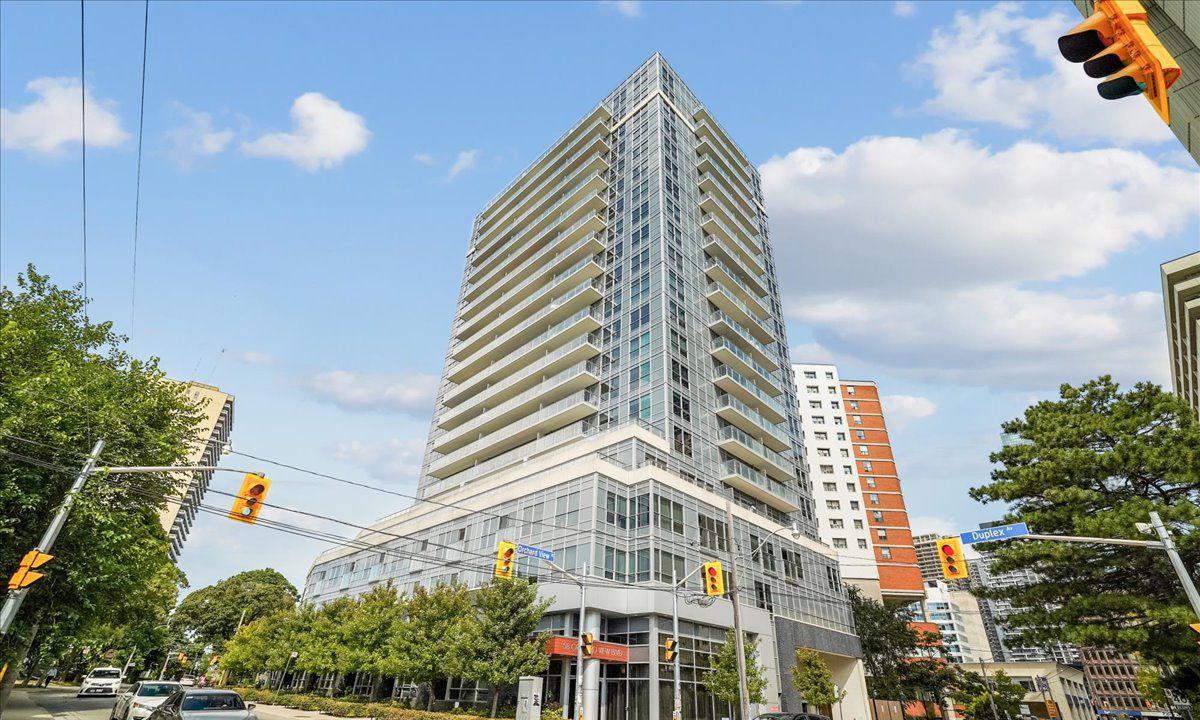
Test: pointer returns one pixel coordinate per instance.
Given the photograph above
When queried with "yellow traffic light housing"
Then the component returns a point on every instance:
(950, 553)
(587, 644)
(669, 649)
(249, 500)
(714, 578)
(506, 555)
(1116, 43)
(25, 575)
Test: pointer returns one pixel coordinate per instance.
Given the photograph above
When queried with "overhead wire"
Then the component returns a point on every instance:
(137, 195)
(83, 147)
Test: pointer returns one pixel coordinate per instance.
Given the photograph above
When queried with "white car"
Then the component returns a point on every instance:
(101, 681)
(142, 698)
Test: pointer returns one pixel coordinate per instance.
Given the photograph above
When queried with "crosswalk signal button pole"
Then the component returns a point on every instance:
(249, 500)
(950, 553)
(506, 553)
(714, 578)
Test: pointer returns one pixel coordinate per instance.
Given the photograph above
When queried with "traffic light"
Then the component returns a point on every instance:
(25, 576)
(669, 649)
(1116, 43)
(588, 644)
(181, 658)
(506, 554)
(714, 578)
(249, 500)
(950, 552)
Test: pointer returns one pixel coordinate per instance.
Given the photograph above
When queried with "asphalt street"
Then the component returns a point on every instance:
(60, 702)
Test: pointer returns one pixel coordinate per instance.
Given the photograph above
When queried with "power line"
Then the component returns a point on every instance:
(83, 146)
(137, 196)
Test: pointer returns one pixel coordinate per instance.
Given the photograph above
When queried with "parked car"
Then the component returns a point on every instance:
(141, 699)
(791, 716)
(203, 704)
(101, 681)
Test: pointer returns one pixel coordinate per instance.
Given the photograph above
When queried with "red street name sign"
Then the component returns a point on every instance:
(558, 646)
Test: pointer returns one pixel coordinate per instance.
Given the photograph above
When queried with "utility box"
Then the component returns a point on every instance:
(529, 698)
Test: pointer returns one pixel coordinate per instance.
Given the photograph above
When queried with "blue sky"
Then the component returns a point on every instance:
(955, 212)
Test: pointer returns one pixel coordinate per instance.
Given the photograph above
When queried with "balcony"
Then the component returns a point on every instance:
(549, 391)
(564, 412)
(535, 296)
(739, 311)
(466, 401)
(708, 129)
(738, 474)
(748, 251)
(727, 352)
(741, 445)
(719, 271)
(736, 190)
(744, 389)
(491, 367)
(726, 206)
(532, 222)
(716, 249)
(722, 324)
(595, 124)
(494, 346)
(736, 412)
(582, 154)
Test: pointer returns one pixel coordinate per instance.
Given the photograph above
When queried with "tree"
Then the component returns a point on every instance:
(365, 633)
(424, 642)
(266, 644)
(211, 614)
(497, 643)
(1149, 685)
(1095, 462)
(977, 694)
(64, 382)
(813, 680)
(322, 647)
(722, 679)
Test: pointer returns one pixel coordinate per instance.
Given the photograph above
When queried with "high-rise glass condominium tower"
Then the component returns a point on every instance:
(618, 375)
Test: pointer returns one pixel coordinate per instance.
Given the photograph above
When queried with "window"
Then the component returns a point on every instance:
(877, 515)
(810, 375)
(841, 436)
(853, 404)
(828, 376)
(844, 452)
(639, 345)
(850, 390)
(821, 435)
(866, 465)
(815, 404)
(847, 469)
(793, 569)
(818, 420)
(862, 544)
(639, 290)
(830, 487)
(832, 390)
(639, 375)
(823, 452)
(833, 504)
(712, 533)
(835, 405)
(682, 440)
(858, 524)
(762, 596)
(679, 374)
(837, 419)
(870, 482)
(679, 344)
(640, 407)
(681, 407)
(666, 562)
(669, 515)
(616, 510)
(874, 498)
(813, 389)
(886, 553)
(851, 487)
(853, 504)
(827, 469)
(639, 317)
(615, 564)
(840, 543)
(857, 419)
(860, 435)
(881, 534)
(837, 523)
(862, 449)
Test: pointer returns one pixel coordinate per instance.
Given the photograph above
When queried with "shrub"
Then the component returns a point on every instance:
(341, 707)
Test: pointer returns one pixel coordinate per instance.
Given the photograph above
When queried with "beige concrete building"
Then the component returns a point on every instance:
(1065, 686)
(1181, 300)
(211, 436)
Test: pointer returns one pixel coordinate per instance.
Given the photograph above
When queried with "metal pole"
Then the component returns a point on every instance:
(677, 705)
(166, 660)
(987, 683)
(15, 597)
(734, 595)
(579, 650)
(1168, 543)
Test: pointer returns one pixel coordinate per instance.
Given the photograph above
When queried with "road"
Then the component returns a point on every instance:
(61, 704)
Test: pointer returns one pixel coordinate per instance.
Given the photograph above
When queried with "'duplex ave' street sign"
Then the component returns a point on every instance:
(536, 552)
(1000, 532)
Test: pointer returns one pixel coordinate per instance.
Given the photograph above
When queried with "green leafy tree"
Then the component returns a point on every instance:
(813, 681)
(1096, 462)
(497, 643)
(722, 679)
(64, 382)
(211, 614)
(367, 631)
(268, 642)
(323, 648)
(424, 643)
(977, 694)
(1150, 685)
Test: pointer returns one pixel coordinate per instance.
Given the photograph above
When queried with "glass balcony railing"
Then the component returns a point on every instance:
(544, 257)
(749, 294)
(765, 354)
(748, 249)
(466, 352)
(773, 433)
(730, 207)
(758, 397)
(735, 306)
(458, 371)
(732, 187)
(708, 128)
(755, 482)
(764, 375)
(779, 463)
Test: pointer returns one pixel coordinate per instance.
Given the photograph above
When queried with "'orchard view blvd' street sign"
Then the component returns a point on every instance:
(536, 552)
(1000, 532)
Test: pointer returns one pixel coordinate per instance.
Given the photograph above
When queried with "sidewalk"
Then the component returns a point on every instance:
(278, 712)
(21, 707)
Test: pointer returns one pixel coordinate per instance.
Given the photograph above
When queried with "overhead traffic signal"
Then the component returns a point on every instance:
(25, 575)
(587, 643)
(950, 552)
(249, 500)
(506, 555)
(1117, 44)
(714, 578)
(669, 649)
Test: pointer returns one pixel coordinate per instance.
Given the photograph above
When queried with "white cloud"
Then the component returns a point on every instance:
(323, 135)
(409, 393)
(959, 242)
(922, 524)
(394, 459)
(978, 69)
(47, 124)
(904, 8)
(463, 162)
(899, 410)
(197, 136)
(253, 357)
(425, 159)
(806, 353)
(628, 8)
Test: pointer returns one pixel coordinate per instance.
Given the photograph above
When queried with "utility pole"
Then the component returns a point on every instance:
(677, 700)
(735, 595)
(579, 650)
(15, 597)
(987, 683)
(1168, 544)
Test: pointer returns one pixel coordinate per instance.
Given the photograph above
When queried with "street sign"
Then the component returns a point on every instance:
(1000, 532)
(536, 552)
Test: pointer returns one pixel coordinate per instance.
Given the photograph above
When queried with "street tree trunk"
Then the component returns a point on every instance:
(495, 699)
(15, 664)
(429, 698)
